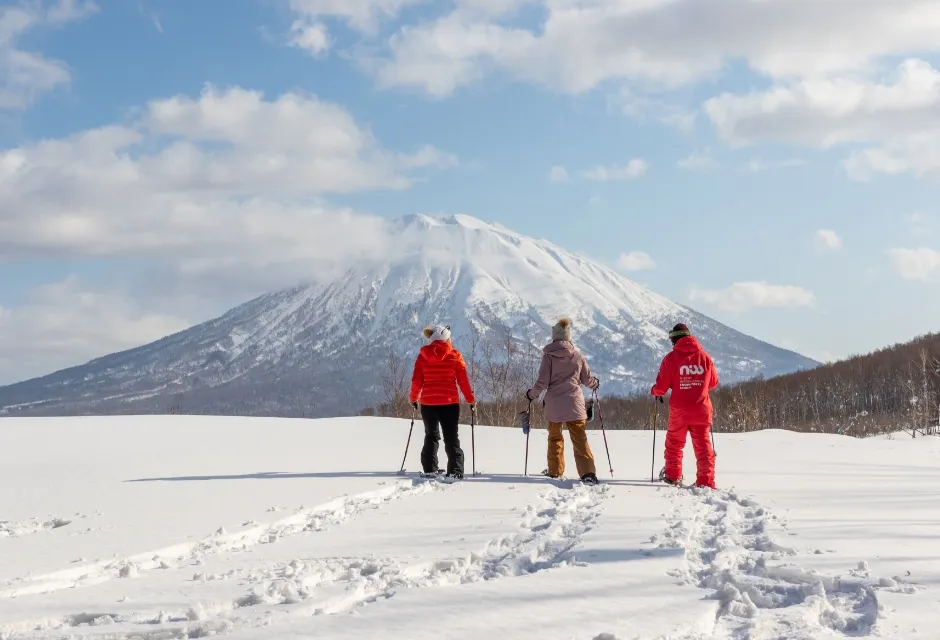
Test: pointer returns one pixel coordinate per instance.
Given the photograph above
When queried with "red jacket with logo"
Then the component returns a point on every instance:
(439, 369)
(690, 372)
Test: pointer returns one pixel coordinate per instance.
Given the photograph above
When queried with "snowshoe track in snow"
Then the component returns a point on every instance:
(549, 531)
(730, 550)
(329, 514)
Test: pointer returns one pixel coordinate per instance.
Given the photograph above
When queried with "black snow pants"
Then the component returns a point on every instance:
(437, 418)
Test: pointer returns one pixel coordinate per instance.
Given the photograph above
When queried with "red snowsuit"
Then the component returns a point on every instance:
(690, 372)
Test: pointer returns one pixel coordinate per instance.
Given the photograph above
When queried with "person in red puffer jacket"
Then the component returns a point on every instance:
(438, 372)
(690, 372)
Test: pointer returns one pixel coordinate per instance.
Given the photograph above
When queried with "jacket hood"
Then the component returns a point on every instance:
(688, 344)
(559, 348)
(437, 350)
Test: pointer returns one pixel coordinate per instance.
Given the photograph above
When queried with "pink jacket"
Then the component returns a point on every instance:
(561, 374)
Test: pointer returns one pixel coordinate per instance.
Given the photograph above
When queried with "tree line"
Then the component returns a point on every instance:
(894, 388)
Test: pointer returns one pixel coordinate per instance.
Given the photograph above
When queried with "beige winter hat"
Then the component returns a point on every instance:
(562, 330)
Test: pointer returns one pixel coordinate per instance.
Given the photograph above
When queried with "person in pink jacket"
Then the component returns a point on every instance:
(562, 372)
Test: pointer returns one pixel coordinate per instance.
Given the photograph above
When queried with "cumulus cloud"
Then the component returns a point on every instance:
(828, 238)
(311, 37)
(635, 168)
(824, 92)
(635, 261)
(744, 296)
(206, 176)
(898, 113)
(916, 264)
(665, 43)
(25, 75)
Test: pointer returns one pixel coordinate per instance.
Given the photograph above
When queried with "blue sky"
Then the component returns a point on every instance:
(733, 158)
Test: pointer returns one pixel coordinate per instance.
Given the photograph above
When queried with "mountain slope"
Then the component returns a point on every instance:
(319, 349)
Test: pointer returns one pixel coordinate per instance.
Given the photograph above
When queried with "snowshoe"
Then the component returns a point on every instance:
(548, 475)
(589, 479)
(667, 480)
(432, 474)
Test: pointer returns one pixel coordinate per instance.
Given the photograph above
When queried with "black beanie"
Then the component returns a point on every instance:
(679, 331)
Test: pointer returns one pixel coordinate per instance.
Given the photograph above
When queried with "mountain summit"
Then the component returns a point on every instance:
(319, 349)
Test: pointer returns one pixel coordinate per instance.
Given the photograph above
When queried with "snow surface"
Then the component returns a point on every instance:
(174, 527)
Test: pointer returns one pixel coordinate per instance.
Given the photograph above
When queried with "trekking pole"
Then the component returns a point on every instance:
(414, 413)
(600, 416)
(528, 429)
(473, 441)
(653, 464)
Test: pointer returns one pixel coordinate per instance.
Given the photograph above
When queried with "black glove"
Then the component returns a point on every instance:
(660, 398)
(414, 405)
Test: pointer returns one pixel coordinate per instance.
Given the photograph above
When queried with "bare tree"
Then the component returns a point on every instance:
(395, 386)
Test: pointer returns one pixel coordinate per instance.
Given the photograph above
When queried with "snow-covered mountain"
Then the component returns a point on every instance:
(319, 349)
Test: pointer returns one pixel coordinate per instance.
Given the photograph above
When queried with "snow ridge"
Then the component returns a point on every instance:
(10, 529)
(730, 549)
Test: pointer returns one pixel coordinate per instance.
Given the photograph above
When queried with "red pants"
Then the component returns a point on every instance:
(704, 454)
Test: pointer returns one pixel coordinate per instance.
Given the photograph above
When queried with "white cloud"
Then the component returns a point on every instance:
(829, 238)
(635, 261)
(25, 75)
(633, 169)
(898, 113)
(68, 323)
(744, 296)
(312, 37)
(698, 162)
(663, 43)
(916, 264)
(364, 15)
(558, 174)
(228, 173)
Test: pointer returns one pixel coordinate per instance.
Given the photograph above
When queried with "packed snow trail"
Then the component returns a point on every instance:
(332, 513)
(730, 548)
(548, 532)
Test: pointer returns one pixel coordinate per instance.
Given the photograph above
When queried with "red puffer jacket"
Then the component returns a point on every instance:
(690, 372)
(438, 370)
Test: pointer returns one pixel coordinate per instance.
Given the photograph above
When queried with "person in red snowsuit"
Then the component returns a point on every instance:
(690, 372)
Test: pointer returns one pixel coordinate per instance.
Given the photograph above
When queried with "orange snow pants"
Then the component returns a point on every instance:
(704, 454)
(556, 448)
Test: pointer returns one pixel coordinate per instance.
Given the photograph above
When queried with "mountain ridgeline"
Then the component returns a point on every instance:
(321, 350)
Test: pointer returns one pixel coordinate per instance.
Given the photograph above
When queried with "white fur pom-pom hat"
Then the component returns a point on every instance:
(562, 330)
(437, 332)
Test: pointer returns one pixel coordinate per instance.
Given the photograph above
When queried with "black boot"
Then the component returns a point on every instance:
(589, 478)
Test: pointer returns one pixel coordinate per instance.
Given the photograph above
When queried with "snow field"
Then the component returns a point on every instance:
(177, 527)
